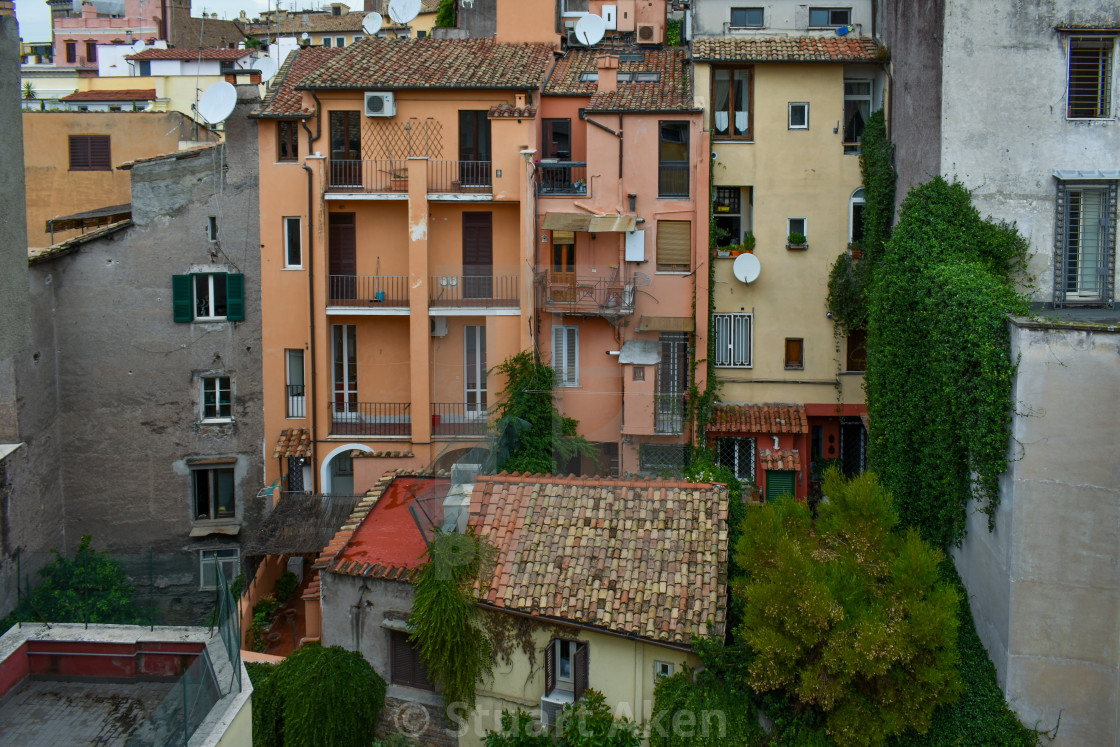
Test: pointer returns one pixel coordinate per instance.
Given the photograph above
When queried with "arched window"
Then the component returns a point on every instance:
(855, 215)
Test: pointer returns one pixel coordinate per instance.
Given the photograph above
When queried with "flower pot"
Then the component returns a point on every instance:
(736, 252)
(398, 184)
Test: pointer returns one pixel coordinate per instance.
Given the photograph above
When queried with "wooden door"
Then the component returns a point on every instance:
(478, 255)
(562, 285)
(342, 260)
(474, 148)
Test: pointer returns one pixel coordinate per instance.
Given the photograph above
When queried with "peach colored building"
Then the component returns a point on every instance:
(76, 35)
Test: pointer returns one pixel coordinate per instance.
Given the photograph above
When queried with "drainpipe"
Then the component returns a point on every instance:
(311, 292)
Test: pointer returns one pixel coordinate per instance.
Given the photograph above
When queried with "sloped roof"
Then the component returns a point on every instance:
(509, 111)
(293, 442)
(762, 418)
(124, 94)
(433, 63)
(282, 98)
(300, 524)
(790, 459)
(181, 53)
(298, 23)
(785, 49)
(640, 557)
(673, 92)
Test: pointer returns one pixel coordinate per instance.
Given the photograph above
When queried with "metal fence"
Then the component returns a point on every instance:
(563, 178)
(370, 418)
(369, 291)
(183, 709)
(456, 419)
(471, 291)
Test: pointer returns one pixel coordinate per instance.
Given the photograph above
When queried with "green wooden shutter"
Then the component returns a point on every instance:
(779, 483)
(181, 298)
(235, 297)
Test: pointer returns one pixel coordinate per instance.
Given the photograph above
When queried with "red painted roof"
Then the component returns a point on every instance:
(191, 54)
(388, 536)
(127, 94)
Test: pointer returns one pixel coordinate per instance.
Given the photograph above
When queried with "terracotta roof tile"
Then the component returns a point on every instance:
(433, 63)
(282, 98)
(293, 442)
(124, 94)
(179, 53)
(641, 557)
(785, 49)
(673, 92)
(766, 418)
(508, 111)
(790, 459)
(298, 23)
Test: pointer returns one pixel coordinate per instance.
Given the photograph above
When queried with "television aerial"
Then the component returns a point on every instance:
(403, 11)
(746, 268)
(217, 102)
(372, 23)
(590, 29)
(267, 68)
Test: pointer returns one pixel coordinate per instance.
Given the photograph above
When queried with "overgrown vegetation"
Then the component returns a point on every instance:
(939, 371)
(446, 626)
(586, 723)
(316, 697)
(673, 32)
(446, 15)
(721, 714)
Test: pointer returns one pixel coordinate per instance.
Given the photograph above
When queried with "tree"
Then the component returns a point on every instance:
(848, 616)
(588, 722)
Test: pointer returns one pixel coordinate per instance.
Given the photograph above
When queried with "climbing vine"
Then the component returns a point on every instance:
(939, 370)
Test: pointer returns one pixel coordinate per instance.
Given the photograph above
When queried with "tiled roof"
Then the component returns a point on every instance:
(433, 63)
(293, 442)
(35, 255)
(785, 49)
(179, 53)
(672, 93)
(193, 152)
(509, 111)
(647, 558)
(298, 23)
(769, 418)
(124, 94)
(359, 454)
(789, 459)
(282, 98)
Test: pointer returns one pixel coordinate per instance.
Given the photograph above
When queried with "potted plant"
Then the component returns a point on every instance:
(723, 251)
(748, 242)
(398, 181)
(796, 241)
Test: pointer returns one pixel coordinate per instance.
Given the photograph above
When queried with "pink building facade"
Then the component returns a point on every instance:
(76, 35)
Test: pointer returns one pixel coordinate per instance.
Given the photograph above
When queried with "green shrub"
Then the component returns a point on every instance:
(445, 15)
(286, 586)
(707, 713)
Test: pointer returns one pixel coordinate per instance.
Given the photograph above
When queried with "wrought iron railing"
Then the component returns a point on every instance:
(562, 178)
(367, 291)
(459, 177)
(669, 411)
(672, 180)
(297, 401)
(458, 419)
(354, 175)
(465, 291)
(370, 418)
(597, 294)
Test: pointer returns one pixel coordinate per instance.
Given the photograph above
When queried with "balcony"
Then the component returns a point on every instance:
(459, 177)
(590, 294)
(561, 178)
(368, 293)
(669, 412)
(390, 177)
(473, 291)
(458, 419)
(370, 418)
(297, 401)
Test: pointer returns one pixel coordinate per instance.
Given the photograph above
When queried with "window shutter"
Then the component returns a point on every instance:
(79, 153)
(400, 664)
(674, 245)
(235, 297)
(181, 298)
(99, 157)
(579, 671)
(550, 667)
(779, 483)
(558, 354)
(571, 355)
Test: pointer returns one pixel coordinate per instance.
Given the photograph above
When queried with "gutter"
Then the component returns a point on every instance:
(584, 626)
(311, 292)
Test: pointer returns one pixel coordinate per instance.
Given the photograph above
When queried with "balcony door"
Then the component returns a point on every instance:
(562, 285)
(342, 258)
(346, 149)
(344, 350)
(672, 382)
(474, 149)
(478, 255)
(474, 359)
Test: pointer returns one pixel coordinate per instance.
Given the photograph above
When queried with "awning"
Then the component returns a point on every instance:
(641, 352)
(98, 217)
(667, 324)
(588, 223)
(293, 442)
(301, 524)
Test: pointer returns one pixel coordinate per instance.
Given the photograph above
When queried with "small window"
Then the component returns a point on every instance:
(212, 227)
(212, 562)
(797, 230)
(857, 110)
(293, 364)
(737, 454)
(588, 77)
(731, 111)
(90, 153)
(71, 51)
(732, 340)
(822, 17)
(208, 296)
(1085, 254)
(1090, 76)
(565, 355)
(674, 246)
(287, 140)
(340, 41)
(213, 493)
(293, 249)
(639, 373)
(662, 669)
(795, 353)
(91, 52)
(405, 666)
(746, 18)
(798, 115)
(358, 38)
(566, 667)
(326, 42)
(421, 34)
(855, 215)
(217, 400)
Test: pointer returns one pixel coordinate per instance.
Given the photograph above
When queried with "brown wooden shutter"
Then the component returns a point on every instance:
(550, 667)
(99, 157)
(674, 245)
(400, 654)
(579, 671)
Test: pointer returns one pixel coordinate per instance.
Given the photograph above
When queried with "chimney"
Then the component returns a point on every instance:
(519, 100)
(89, 10)
(608, 72)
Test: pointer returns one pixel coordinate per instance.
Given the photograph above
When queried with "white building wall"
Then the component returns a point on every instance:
(784, 17)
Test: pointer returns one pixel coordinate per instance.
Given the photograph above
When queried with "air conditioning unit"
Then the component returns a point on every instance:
(380, 104)
(573, 40)
(647, 34)
(439, 326)
(551, 706)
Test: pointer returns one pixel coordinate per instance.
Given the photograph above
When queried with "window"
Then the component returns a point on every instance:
(565, 667)
(474, 365)
(855, 215)
(71, 51)
(212, 562)
(738, 454)
(663, 459)
(91, 52)
(217, 399)
(672, 383)
(213, 493)
(346, 149)
(405, 666)
(856, 357)
(90, 153)
(1084, 257)
(208, 296)
(795, 353)
(632, 76)
(674, 245)
(798, 115)
(727, 214)
(733, 346)
(662, 669)
(819, 17)
(145, 67)
(1090, 76)
(287, 140)
(672, 178)
(732, 90)
(565, 355)
(293, 367)
(344, 351)
(797, 228)
(358, 38)
(742, 18)
(340, 41)
(857, 108)
(293, 250)
(639, 373)
(212, 227)
(326, 42)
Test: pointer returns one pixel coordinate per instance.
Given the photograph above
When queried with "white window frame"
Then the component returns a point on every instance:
(859, 197)
(288, 264)
(662, 669)
(804, 227)
(357, 38)
(327, 41)
(210, 315)
(805, 106)
(829, 9)
(568, 645)
(726, 353)
(228, 559)
(213, 384)
(747, 9)
(742, 471)
(564, 340)
(852, 147)
(340, 42)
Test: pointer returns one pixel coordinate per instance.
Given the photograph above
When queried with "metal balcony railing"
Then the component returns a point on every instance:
(367, 291)
(297, 401)
(459, 177)
(578, 293)
(458, 419)
(467, 291)
(672, 180)
(370, 418)
(562, 178)
(669, 411)
(381, 175)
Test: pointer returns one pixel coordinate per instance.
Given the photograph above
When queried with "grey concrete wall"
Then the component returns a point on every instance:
(1044, 587)
(785, 17)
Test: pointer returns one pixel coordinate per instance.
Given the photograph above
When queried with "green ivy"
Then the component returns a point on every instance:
(876, 166)
(939, 371)
(719, 715)
(446, 15)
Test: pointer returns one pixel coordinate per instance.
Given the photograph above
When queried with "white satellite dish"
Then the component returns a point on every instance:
(217, 102)
(372, 23)
(267, 68)
(305, 36)
(746, 268)
(590, 29)
(403, 11)
(139, 46)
